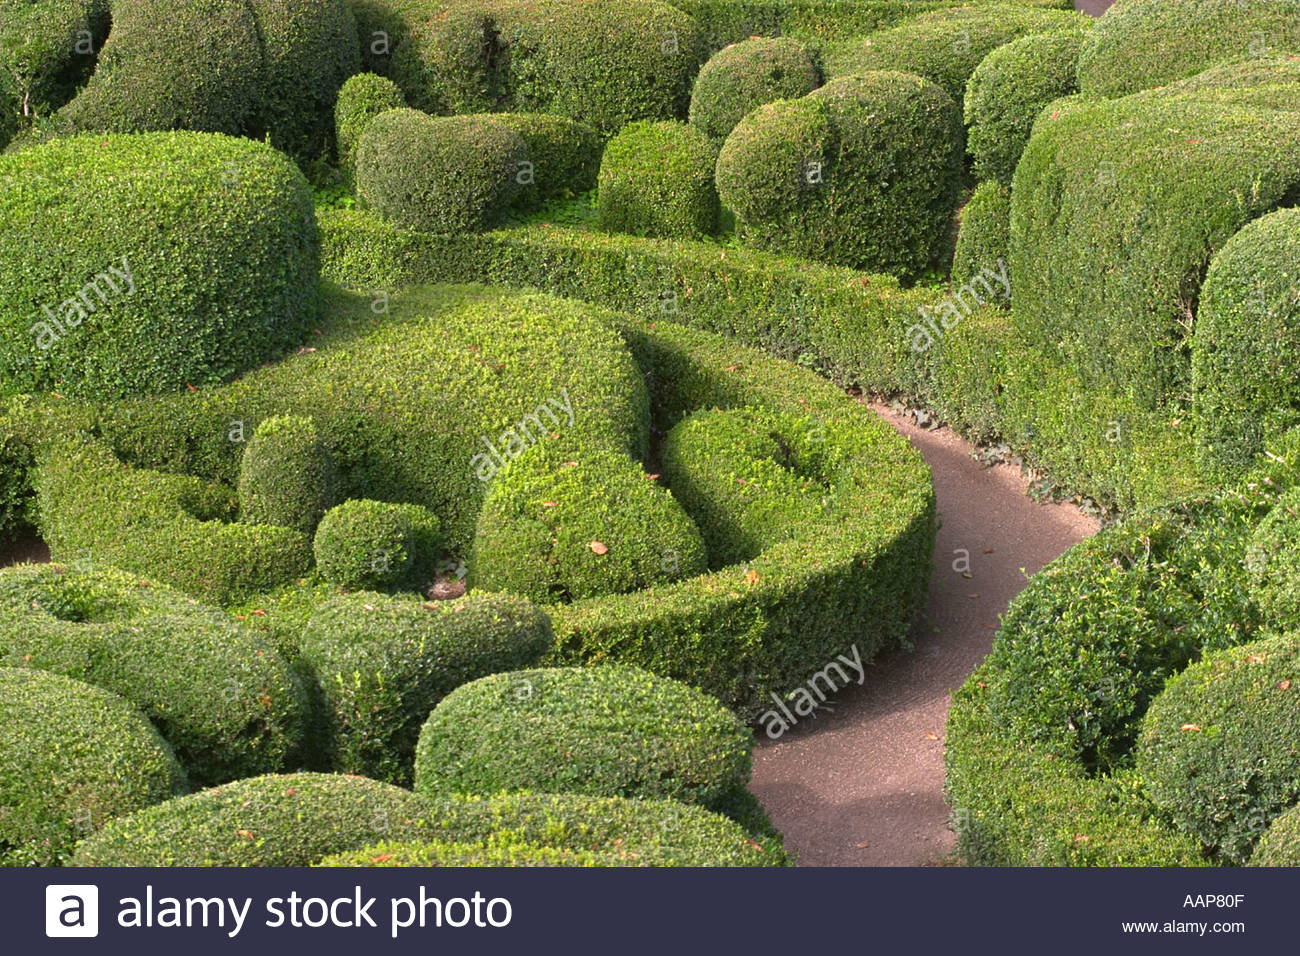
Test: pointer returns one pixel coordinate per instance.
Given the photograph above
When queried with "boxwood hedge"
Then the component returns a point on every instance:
(1272, 563)
(375, 544)
(361, 99)
(563, 156)
(656, 179)
(609, 731)
(285, 475)
(44, 56)
(746, 75)
(1280, 844)
(984, 239)
(72, 757)
(382, 664)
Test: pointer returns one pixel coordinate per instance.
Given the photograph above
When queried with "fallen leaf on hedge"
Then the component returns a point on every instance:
(599, 547)
(751, 576)
(651, 477)
(1284, 685)
(550, 504)
(368, 607)
(1194, 727)
(1081, 838)
(1256, 658)
(245, 834)
(259, 612)
(382, 858)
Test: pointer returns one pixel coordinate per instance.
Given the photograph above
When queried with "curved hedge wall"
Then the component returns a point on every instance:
(226, 703)
(607, 731)
(374, 544)
(382, 664)
(984, 239)
(656, 179)
(1280, 844)
(746, 75)
(142, 264)
(72, 757)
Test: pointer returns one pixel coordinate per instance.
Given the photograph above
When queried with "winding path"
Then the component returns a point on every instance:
(862, 784)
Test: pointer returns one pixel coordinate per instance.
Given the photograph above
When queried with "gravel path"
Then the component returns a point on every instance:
(862, 785)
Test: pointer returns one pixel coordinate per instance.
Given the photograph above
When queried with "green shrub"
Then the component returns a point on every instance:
(1246, 347)
(602, 731)
(1146, 43)
(945, 46)
(214, 246)
(45, 54)
(863, 172)
(1008, 90)
(374, 544)
(284, 476)
(970, 369)
(276, 820)
(439, 174)
(563, 523)
(1220, 748)
(747, 75)
(656, 179)
(1273, 563)
(382, 664)
(72, 757)
(361, 99)
(563, 155)
(984, 241)
(225, 702)
(495, 852)
(1280, 844)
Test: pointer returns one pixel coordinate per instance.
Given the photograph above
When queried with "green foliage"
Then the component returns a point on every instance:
(1280, 844)
(1141, 44)
(439, 174)
(606, 731)
(382, 664)
(656, 179)
(1008, 90)
(225, 702)
(1272, 563)
(565, 155)
(72, 757)
(984, 242)
(361, 99)
(215, 250)
(746, 75)
(284, 476)
(564, 523)
(1246, 349)
(863, 172)
(1220, 748)
(375, 544)
(275, 820)
(46, 53)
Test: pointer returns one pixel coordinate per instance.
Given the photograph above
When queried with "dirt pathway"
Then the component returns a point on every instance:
(862, 785)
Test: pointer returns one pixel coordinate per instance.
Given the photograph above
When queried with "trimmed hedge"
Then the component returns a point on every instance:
(226, 703)
(1220, 748)
(656, 179)
(1246, 347)
(382, 664)
(984, 240)
(361, 99)
(215, 249)
(746, 75)
(563, 156)
(493, 852)
(284, 476)
(1008, 90)
(564, 523)
(275, 820)
(606, 731)
(862, 172)
(439, 174)
(1273, 564)
(72, 757)
(44, 55)
(375, 544)
(1280, 844)
(1146, 43)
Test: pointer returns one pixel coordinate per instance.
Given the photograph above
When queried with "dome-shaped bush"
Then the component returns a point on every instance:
(225, 701)
(563, 155)
(1220, 748)
(1246, 345)
(45, 54)
(382, 664)
(558, 528)
(362, 98)
(72, 757)
(143, 264)
(746, 75)
(285, 475)
(656, 179)
(984, 241)
(375, 544)
(439, 174)
(1280, 844)
(1008, 90)
(863, 172)
(276, 820)
(1273, 563)
(602, 731)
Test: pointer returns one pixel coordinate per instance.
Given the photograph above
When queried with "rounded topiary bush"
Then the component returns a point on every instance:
(984, 241)
(746, 75)
(1009, 89)
(497, 852)
(382, 664)
(45, 54)
(439, 174)
(275, 820)
(375, 544)
(563, 155)
(1280, 844)
(285, 475)
(227, 703)
(656, 179)
(1273, 563)
(143, 264)
(608, 731)
(1246, 343)
(863, 172)
(1220, 748)
(362, 98)
(72, 757)
(557, 528)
